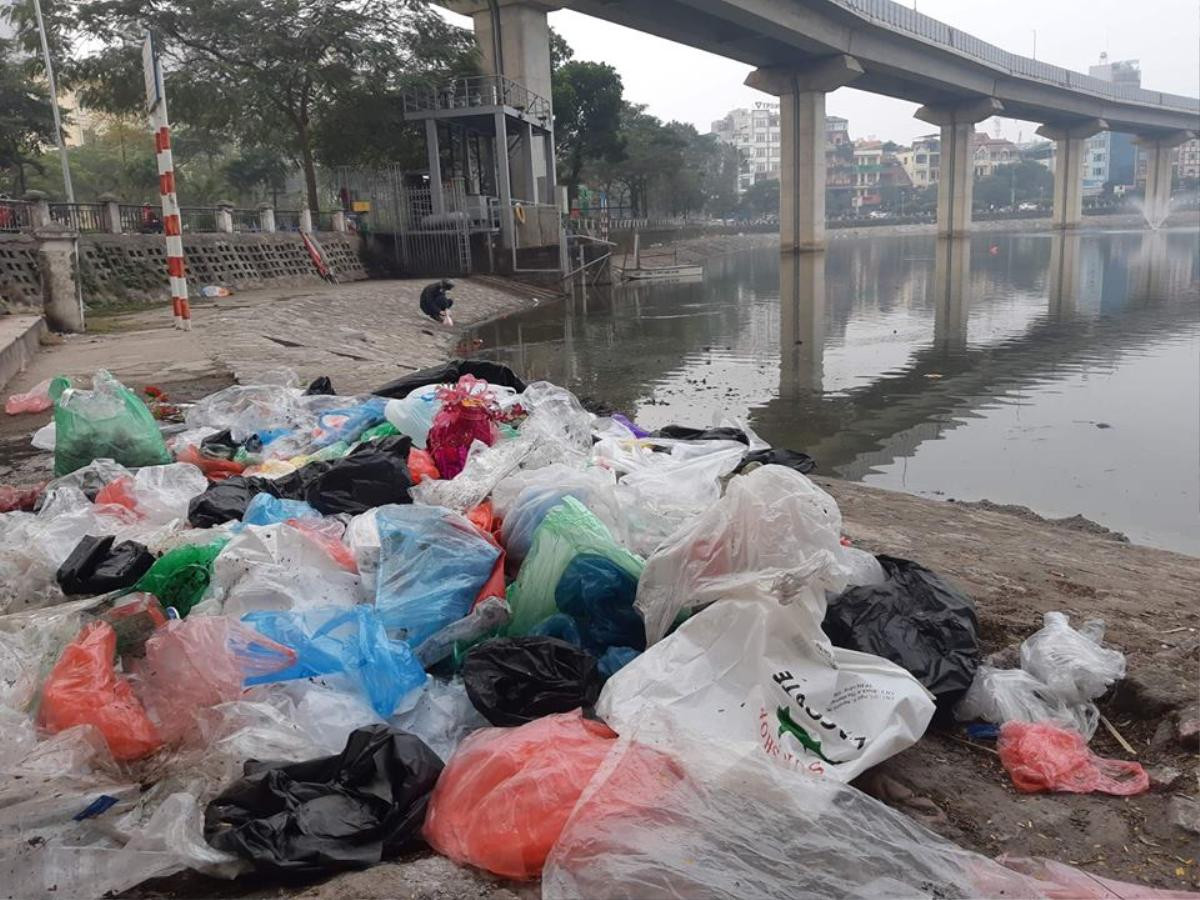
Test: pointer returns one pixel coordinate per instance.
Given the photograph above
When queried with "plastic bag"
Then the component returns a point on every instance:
(267, 509)
(915, 619)
(362, 537)
(20, 497)
(433, 562)
(863, 568)
(84, 689)
(568, 532)
(449, 373)
(30, 644)
(771, 519)
(515, 680)
(180, 577)
(214, 468)
(540, 490)
(1007, 695)
(1041, 756)
(269, 567)
(107, 422)
(467, 414)
(97, 566)
(756, 669)
(199, 662)
(793, 459)
(35, 400)
(352, 641)
(414, 414)
(1072, 663)
(352, 810)
(486, 468)
(442, 716)
(505, 795)
(348, 423)
(421, 466)
(487, 618)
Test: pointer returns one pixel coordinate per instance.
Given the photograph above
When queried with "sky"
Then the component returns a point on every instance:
(678, 82)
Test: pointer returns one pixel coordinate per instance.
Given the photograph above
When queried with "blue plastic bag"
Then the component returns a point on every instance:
(348, 423)
(432, 564)
(598, 595)
(267, 509)
(351, 641)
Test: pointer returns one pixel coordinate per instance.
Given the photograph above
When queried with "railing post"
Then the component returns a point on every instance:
(338, 221)
(58, 263)
(225, 217)
(266, 218)
(306, 220)
(39, 213)
(112, 212)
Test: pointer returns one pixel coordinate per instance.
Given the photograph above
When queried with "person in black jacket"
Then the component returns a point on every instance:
(435, 303)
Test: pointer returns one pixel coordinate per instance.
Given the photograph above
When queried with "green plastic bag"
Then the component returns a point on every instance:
(382, 430)
(180, 577)
(107, 422)
(568, 531)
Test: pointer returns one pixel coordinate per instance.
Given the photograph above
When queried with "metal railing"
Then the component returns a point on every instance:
(245, 220)
(86, 218)
(287, 220)
(15, 215)
(906, 20)
(137, 218)
(197, 219)
(477, 91)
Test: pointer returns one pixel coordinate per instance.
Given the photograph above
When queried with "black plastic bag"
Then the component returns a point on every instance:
(227, 500)
(373, 475)
(449, 373)
(512, 681)
(347, 811)
(321, 386)
(716, 433)
(917, 620)
(96, 566)
(772, 456)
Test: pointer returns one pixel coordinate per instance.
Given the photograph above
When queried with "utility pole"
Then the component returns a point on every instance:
(58, 133)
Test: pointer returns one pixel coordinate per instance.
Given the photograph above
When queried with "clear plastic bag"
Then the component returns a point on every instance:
(413, 415)
(433, 563)
(1013, 695)
(489, 616)
(771, 519)
(862, 567)
(161, 493)
(35, 400)
(107, 422)
(442, 717)
(30, 643)
(1072, 663)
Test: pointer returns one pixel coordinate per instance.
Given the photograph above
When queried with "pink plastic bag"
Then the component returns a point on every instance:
(194, 663)
(468, 413)
(1044, 757)
(35, 400)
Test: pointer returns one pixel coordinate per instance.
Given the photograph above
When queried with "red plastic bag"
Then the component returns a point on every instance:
(118, 492)
(191, 664)
(1044, 757)
(421, 466)
(327, 534)
(19, 496)
(37, 399)
(84, 689)
(468, 413)
(213, 468)
(505, 795)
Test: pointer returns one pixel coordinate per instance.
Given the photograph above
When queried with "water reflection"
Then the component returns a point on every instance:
(1056, 371)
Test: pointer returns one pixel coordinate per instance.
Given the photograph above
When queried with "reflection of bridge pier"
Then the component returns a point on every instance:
(801, 323)
(1066, 274)
(951, 293)
(1149, 269)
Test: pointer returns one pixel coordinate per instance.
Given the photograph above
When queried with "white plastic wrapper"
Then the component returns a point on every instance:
(442, 717)
(755, 669)
(862, 567)
(1072, 663)
(771, 520)
(1005, 695)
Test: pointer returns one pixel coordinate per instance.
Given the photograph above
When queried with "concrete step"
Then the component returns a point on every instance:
(20, 337)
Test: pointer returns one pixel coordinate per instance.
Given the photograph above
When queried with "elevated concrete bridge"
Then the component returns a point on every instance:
(802, 49)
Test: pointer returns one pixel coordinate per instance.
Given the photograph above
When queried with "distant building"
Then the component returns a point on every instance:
(1109, 157)
(755, 134)
(922, 161)
(992, 153)
(1187, 159)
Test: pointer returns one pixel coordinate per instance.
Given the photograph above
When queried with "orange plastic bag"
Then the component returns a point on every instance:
(505, 795)
(421, 466)
(118, 492)
(1044, 757)
(214, 469)
(484, 518)
(84, 689)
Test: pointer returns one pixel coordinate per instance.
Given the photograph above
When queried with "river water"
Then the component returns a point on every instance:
(1059, 373)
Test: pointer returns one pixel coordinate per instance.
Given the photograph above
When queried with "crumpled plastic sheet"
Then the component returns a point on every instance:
(30, 642)
(772, 519)
(1013, 695)
(442, 716)
(277, 567)
(672, 814)
(1072, 663)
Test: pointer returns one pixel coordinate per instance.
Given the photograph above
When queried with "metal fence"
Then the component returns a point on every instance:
(197, 219)
(245, 220)
(287, 220)
(86, 218)
(15, 215)
(475, 91)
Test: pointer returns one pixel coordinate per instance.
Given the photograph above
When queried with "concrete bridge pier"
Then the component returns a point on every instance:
(1069, 156)
(1158, 174)
(801, 94)
(801, 324)
(956, 181)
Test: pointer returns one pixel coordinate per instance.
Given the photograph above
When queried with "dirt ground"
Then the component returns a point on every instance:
(1015, 565)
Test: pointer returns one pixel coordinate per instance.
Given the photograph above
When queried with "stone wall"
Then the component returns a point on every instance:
(121, 268)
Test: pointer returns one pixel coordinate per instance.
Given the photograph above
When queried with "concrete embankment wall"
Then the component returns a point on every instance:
(132, 267)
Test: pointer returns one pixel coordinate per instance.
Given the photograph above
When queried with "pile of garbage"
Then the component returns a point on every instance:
(297, 632)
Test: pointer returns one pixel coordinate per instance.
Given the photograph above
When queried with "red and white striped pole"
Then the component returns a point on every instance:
(156, 101)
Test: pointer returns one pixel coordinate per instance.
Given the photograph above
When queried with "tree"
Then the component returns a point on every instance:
(761, 199)
(265, 72)
(26, 124)
(587, 114)
(1017, 183)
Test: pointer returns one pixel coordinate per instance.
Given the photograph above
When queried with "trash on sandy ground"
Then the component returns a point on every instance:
(289, 632)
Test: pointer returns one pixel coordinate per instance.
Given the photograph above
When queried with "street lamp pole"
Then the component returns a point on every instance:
(58, 132)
